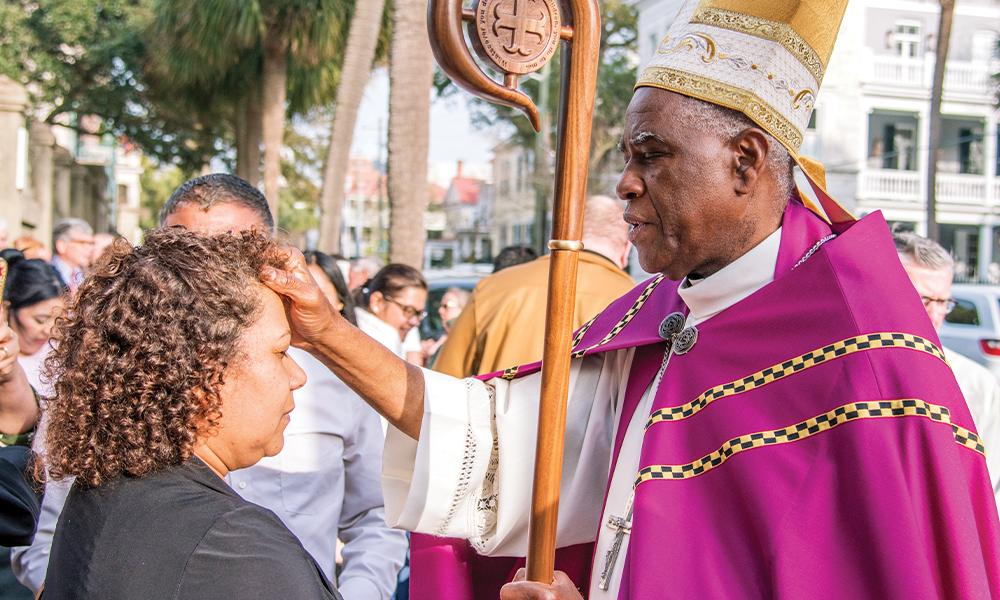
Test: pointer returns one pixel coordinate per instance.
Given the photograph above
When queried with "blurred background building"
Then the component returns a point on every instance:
(48, 172)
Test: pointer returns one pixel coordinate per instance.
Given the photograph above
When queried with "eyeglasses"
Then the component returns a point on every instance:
(409, 312)
(947, 303)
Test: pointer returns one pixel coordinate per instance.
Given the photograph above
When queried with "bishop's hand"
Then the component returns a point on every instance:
(562, 588)
(309, 312)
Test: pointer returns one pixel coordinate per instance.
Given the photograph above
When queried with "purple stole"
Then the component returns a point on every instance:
(812, 443)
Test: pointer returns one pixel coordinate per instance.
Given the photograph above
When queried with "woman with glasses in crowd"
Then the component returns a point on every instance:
(391, 305)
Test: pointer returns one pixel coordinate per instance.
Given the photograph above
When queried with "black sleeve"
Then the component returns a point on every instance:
(249, 554)
(19, 502)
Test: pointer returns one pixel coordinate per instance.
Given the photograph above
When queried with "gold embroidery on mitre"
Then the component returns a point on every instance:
(779, 33)
(798, 98)
(716, 92)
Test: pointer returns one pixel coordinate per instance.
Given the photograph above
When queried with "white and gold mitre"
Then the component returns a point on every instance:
(764, 58)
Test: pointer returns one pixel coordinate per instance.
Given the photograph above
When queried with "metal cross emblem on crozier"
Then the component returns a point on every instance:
(517, 36)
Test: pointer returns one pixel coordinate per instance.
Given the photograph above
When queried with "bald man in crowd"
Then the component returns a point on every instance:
(503, 324)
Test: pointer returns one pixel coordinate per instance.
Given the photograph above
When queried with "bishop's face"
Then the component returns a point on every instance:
(679, 183)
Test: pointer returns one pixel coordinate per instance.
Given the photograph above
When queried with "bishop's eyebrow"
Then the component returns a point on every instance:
(641, 137)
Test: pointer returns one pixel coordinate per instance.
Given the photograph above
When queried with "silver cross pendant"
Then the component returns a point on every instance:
(622, 527)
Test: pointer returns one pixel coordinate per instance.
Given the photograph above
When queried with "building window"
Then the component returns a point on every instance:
(962, 149)
(892, 141)
(906, 39)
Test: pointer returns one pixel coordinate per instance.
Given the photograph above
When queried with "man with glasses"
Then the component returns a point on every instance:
(73, 246)
(931, 269)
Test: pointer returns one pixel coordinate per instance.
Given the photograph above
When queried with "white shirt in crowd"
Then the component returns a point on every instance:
(322, 485)
(386, 334)
(474, 479)
(982, 395)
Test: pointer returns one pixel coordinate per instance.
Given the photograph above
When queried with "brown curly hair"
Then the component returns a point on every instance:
(143, 350)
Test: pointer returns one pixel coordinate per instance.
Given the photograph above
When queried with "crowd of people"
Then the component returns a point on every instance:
(320, 482)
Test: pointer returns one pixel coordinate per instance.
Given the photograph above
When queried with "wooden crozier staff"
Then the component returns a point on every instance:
(518, 37)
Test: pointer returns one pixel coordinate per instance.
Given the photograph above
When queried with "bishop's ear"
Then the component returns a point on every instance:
(750, 148)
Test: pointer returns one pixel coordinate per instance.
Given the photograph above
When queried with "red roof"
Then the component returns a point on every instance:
(465, 189)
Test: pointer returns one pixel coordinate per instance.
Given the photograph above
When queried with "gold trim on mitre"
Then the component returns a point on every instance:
(780, 33)
(736, 98)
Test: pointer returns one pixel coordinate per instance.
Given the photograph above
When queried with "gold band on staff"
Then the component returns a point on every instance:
(571, 245)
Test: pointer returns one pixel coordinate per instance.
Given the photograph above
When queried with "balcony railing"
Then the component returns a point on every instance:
(906, 186)
(971, 78)
(896, 186)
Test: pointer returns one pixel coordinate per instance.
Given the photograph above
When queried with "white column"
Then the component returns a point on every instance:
(985, 250)
(13, 101)
(43, 177)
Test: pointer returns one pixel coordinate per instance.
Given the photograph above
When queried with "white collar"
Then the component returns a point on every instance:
(734, 282)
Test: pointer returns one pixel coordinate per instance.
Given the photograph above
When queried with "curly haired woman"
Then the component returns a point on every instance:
(172, 371)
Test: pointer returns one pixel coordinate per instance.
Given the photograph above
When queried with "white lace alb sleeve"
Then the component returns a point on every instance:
(470, 474)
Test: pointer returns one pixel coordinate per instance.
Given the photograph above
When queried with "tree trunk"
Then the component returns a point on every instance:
(273, 113)
(934, 121)
(411, 73)
(358, 57)
(248, 134)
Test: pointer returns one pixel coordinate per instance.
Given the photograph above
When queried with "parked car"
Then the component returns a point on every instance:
(972, 328)
(431, 328)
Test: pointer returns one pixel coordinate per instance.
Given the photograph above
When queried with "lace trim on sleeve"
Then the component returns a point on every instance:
(465, 473)
(486, 504)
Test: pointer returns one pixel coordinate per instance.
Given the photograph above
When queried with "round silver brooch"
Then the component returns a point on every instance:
(685, 340)
(672, 325)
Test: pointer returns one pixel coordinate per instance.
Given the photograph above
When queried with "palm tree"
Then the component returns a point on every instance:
(361, 45)
(411, 73)
(250, 47)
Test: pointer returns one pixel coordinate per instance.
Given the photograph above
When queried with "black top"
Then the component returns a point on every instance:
(180, 533)
(19, 499)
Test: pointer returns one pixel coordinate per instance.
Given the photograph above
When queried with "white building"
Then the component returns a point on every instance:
(870, 124)
(514, 197)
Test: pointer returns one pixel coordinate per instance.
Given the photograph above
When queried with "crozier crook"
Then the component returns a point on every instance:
(517, 37)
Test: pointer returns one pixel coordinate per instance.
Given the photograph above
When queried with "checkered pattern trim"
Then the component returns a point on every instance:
(509, 374)
(781, 370)
(626, 318)
(800, 431)
(583, 331)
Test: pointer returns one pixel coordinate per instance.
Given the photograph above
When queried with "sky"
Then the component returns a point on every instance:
(453, 138)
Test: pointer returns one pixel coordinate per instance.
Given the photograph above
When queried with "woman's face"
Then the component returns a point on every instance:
(33, 324)
(326, 286)
(257, 390)
(403, 310)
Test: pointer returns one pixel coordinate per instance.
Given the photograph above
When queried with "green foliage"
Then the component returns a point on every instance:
(169, 74)
(89, 57)
(306, 142)
(157, 185)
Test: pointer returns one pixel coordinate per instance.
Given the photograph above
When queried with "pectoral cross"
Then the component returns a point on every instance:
(622, 527)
